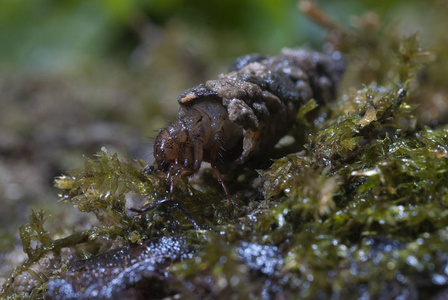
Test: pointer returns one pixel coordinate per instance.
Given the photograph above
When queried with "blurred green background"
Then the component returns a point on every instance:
(51, 35)
(79, 75)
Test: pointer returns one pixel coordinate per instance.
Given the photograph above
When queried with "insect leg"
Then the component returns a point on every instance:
(143, 210)
(180, 207)
(224, 187)
(198, 153)
(173, 181)
(175, 204)
(187, 214)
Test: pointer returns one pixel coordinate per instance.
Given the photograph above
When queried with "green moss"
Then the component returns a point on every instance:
(368, 191)
(34, 231)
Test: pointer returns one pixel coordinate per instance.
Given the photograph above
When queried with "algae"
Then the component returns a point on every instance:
(360, 212)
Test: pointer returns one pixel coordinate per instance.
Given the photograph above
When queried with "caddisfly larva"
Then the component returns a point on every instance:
(244, 112)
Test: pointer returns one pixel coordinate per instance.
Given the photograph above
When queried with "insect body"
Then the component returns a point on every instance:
(244, 112)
